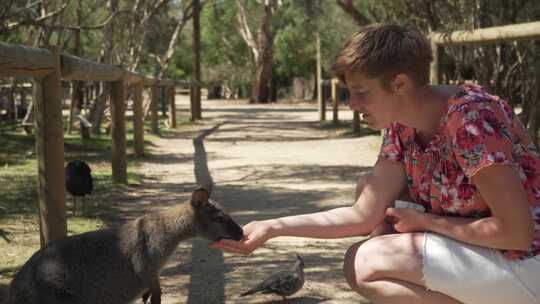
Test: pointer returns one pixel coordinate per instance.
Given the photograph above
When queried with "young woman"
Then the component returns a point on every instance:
(457, 150)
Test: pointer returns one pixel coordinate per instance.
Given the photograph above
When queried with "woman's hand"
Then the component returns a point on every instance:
(255, 235)
(407, 219)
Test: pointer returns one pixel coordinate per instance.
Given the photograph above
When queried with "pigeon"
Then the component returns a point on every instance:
(283, 283)
(4, 234)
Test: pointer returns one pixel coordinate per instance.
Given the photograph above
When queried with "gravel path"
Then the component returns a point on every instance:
(265, 161)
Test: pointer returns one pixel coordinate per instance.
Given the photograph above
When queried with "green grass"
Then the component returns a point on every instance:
(344, 128)
(18, 197)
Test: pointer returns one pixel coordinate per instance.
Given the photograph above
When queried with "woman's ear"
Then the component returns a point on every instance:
(402, 84)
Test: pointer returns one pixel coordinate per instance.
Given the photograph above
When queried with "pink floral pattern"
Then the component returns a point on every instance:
(479, 129)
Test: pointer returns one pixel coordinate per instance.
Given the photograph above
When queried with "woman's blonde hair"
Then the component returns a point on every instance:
(384, 50)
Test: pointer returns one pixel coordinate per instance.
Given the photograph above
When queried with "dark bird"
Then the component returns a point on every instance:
(4, 234)
(79, 181)
(283, 283)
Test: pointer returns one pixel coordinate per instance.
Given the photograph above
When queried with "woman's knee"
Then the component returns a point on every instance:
(359, 261)
(380, 256)
(349, 264)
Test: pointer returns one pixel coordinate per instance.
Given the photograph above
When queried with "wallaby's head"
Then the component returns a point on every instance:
(212, 222)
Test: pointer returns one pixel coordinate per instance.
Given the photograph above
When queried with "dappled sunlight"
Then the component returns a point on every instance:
(288, 166)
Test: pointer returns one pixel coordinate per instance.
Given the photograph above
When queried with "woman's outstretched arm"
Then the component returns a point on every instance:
(384, 184)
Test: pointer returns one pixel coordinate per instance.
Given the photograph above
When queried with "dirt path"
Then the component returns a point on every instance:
(266, 161)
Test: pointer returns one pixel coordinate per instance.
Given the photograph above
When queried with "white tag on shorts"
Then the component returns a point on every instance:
(404, 204)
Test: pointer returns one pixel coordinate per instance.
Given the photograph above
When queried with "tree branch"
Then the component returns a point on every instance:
(137, 45)
(182, 20)
(349, 8)
(153, 10)
(75, 28)
(4, 14)
(245, 31)
(40, 19)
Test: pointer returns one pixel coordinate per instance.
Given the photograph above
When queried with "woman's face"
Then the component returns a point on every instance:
(378, 107)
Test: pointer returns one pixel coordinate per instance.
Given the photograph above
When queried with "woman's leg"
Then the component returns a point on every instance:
(388, 269)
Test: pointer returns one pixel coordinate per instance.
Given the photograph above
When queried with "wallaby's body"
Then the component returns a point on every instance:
(117, 265)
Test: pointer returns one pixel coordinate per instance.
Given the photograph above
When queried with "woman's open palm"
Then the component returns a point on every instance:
(256, 233)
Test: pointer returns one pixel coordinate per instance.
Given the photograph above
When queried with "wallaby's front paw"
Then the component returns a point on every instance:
(145, 297)
(156, 297)
(155, 300)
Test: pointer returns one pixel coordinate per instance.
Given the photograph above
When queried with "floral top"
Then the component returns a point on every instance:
(477, 130)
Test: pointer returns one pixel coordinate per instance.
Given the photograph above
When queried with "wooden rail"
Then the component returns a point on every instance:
(514, 32)
(48, 67)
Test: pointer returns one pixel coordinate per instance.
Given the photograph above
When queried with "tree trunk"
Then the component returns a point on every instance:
(173, 42)
(140, 28)
(319, 80)
(101, 102)
(196, 82)
(348, 7)
(11, 112)
(356, 122)
(261, 85)
(23, 103)
(98, 108)
(77, 96)
(154, 110)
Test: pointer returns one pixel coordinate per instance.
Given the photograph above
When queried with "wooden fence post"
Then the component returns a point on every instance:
(118, 132)
(196, 108)
(356, 122)
(50, 154)
(335, 103)
(172, 106)
(320, 98)
(154, 110)
(434, 66)
(138, 119)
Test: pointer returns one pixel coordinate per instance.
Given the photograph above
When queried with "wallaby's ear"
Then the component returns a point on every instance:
(199, 197)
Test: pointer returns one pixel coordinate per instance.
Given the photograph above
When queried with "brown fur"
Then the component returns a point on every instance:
(117, 265)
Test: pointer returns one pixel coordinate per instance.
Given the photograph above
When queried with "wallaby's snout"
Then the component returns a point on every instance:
(213, 223)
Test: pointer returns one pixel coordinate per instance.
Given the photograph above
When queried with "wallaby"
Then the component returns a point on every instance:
(118, 265)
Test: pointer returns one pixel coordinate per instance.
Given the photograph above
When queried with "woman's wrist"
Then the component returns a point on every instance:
(426, 221)
(275, 227)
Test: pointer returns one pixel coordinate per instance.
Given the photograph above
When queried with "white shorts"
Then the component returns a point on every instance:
(477, 275)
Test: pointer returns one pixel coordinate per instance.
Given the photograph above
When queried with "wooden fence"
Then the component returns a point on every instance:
(48, 66)
(522, 31)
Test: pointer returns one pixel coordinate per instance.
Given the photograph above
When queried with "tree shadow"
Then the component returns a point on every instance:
(200, 276)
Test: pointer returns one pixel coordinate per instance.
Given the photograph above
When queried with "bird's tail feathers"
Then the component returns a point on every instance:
(251, 291)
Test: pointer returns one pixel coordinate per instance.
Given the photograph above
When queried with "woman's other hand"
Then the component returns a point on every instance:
(407, 219)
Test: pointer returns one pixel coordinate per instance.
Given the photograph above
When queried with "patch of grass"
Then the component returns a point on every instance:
(364, 131)
(19, 200)
(15, 148)
(182, 120)
(331, 125)
(24, 235)
(78, 225)
(344, 128)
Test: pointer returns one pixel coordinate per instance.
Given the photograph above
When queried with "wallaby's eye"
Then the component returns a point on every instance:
(219, 219)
